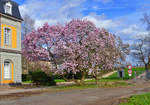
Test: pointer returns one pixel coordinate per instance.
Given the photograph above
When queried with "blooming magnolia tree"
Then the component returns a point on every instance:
(79, 46)
(39, 45)
(88, 48)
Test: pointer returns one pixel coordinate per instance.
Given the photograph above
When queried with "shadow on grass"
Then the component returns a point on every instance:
(93, 85)
(117, 78)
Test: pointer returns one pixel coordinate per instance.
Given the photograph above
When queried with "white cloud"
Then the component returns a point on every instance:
(128, 32)
(106, 8)
(60, 12)
(52, 12)
(102, 22)
(41, 22)
(104, 1)
(133, 30)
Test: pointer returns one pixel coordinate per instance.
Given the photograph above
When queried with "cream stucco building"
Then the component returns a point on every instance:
(10, 42)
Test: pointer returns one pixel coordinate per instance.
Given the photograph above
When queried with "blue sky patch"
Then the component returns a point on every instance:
(118, 16)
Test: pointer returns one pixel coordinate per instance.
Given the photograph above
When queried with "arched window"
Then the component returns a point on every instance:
(7, 36)
(7, 70)
(8, 8)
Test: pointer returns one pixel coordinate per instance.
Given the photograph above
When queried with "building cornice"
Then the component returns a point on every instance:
(10, 17)
(10, 51)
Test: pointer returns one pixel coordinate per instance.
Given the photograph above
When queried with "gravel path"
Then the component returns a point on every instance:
(108, 74)
(99, 96)
(7, 92)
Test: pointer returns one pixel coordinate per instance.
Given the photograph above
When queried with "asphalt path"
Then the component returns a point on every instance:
(95, 96)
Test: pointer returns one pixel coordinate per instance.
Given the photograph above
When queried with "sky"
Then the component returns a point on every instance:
(120, 17)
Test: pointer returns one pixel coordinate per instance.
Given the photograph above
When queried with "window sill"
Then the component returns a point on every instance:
(8, 46)
(7, 79)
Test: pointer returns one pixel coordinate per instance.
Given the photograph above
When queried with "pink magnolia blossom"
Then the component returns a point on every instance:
(79, 46)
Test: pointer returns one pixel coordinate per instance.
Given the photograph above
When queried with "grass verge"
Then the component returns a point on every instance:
(143, 99)
(138, 70)
(114, 77)
(92, 85)
(27, 81)
(59, 80)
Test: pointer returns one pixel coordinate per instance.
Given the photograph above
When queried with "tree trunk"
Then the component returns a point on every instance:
(96, 75)
(81, 81)
(83, 77)
(147, 71)
(27, 64)
(147, 67)
(96, 78)
(67, 80)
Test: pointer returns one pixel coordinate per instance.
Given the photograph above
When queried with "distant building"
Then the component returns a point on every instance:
(10, 42)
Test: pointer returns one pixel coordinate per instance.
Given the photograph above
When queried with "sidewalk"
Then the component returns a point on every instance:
(15, 91)
(93, 96)
(108, 74)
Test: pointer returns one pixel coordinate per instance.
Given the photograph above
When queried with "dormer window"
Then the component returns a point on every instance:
(8, 8)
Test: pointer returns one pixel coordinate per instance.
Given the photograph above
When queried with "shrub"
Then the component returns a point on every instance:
(70, 75)
(41, 78)
(57, 76)
(26, 77)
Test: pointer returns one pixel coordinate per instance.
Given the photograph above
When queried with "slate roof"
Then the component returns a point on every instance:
(15, 9)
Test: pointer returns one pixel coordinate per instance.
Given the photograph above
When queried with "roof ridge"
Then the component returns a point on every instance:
(13, 2)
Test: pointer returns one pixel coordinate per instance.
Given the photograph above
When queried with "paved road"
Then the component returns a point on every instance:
(101, 96)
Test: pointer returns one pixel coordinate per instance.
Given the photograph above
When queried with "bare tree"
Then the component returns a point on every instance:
(123, 50)
(141, 49)
(28, 25)
(146, 20)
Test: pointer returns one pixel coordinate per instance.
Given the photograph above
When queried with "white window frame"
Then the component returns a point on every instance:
(7, 36)
(8, 10)
(7, 70)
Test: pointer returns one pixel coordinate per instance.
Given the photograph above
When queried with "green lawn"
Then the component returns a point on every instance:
(139, 70)
(143, 99)
(112, 78)
(93, 80)
(27, 81)
(93, 85)
(105, 80)
(59, 80)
